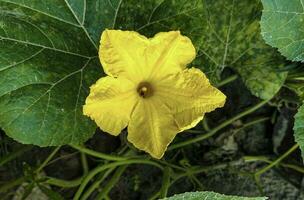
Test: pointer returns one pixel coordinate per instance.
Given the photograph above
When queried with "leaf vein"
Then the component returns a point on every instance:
(41, 12)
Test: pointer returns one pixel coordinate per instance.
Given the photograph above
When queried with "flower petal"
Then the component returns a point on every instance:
(122, 53)
(189, 95)
(152, 127)
(110, 103)
(169, 52)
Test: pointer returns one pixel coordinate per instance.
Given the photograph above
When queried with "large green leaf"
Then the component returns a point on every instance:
(210, 196)
(48, 60)
(226, 33)
(48, 55)
(299, 128)
(283, 27)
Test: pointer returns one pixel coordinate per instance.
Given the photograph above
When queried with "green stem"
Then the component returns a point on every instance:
(251, 123)
(101, 168)
(259, 184)
(47, 160)
(277, 161)
(205, 124)
(227, 80)
(15, 154)
(198, 170)
(20, 180)
(265, 159)
(84, 163)
(197, 182)
(64, 183)
(256, 121)
(11, 184)
(166, 183)
(221, 126)
(115, 178)
(154, 196)
(98, 154)
(163, 162)
(96, 184)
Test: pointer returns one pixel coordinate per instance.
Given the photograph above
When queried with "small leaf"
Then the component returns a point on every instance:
(299, 129)
(283, 27)
(210, 196)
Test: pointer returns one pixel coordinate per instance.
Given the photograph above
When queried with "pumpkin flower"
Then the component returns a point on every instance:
(149, 89)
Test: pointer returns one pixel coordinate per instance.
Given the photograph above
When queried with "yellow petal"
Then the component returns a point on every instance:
(189, 95)
(151, 127)
(169, 52)
(110, 103)
(122, 53)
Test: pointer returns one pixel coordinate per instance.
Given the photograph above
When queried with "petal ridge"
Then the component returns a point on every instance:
(110, 103)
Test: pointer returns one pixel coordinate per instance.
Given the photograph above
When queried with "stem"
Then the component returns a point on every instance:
(101, 168)
(163, 162)
(277, 161)
(265, 159)
(227, 80)
(154, 196)
(64, 183)
(13, 155)
(96, 184)
(259, 185)
(198, 170)
(11, 184)
(166, 183)
(256, 121)
(20, 180)
(98, 154)
(197, 182)
(205, 124)
(47, 160)
(221, 126)
(84, 163)
(115, 178)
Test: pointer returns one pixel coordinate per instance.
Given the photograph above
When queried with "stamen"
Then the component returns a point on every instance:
(145, 90)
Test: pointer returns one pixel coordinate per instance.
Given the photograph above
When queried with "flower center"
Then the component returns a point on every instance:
(145, 90)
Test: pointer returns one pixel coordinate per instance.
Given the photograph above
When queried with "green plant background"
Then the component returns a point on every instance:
(49, 59)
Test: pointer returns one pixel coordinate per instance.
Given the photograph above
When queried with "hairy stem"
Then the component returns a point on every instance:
(227, 80)
(64, 183)
(98, 154)
(219, 127)
(15, 154)
(166, 183)
(266, 160)
(115, 178)
(277, 161)
(103, 167)
(47, 160)
(96, 184)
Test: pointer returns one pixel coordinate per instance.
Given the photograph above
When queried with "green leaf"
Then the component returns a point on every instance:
(210, 196)
(49, 55)
(283, 27)
(299, 128)
(48, 60)
(226, 33)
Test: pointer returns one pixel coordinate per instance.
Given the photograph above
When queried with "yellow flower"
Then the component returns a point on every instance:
(149, 89)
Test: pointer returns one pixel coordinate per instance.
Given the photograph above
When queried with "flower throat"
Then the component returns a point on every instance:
(145, 90)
